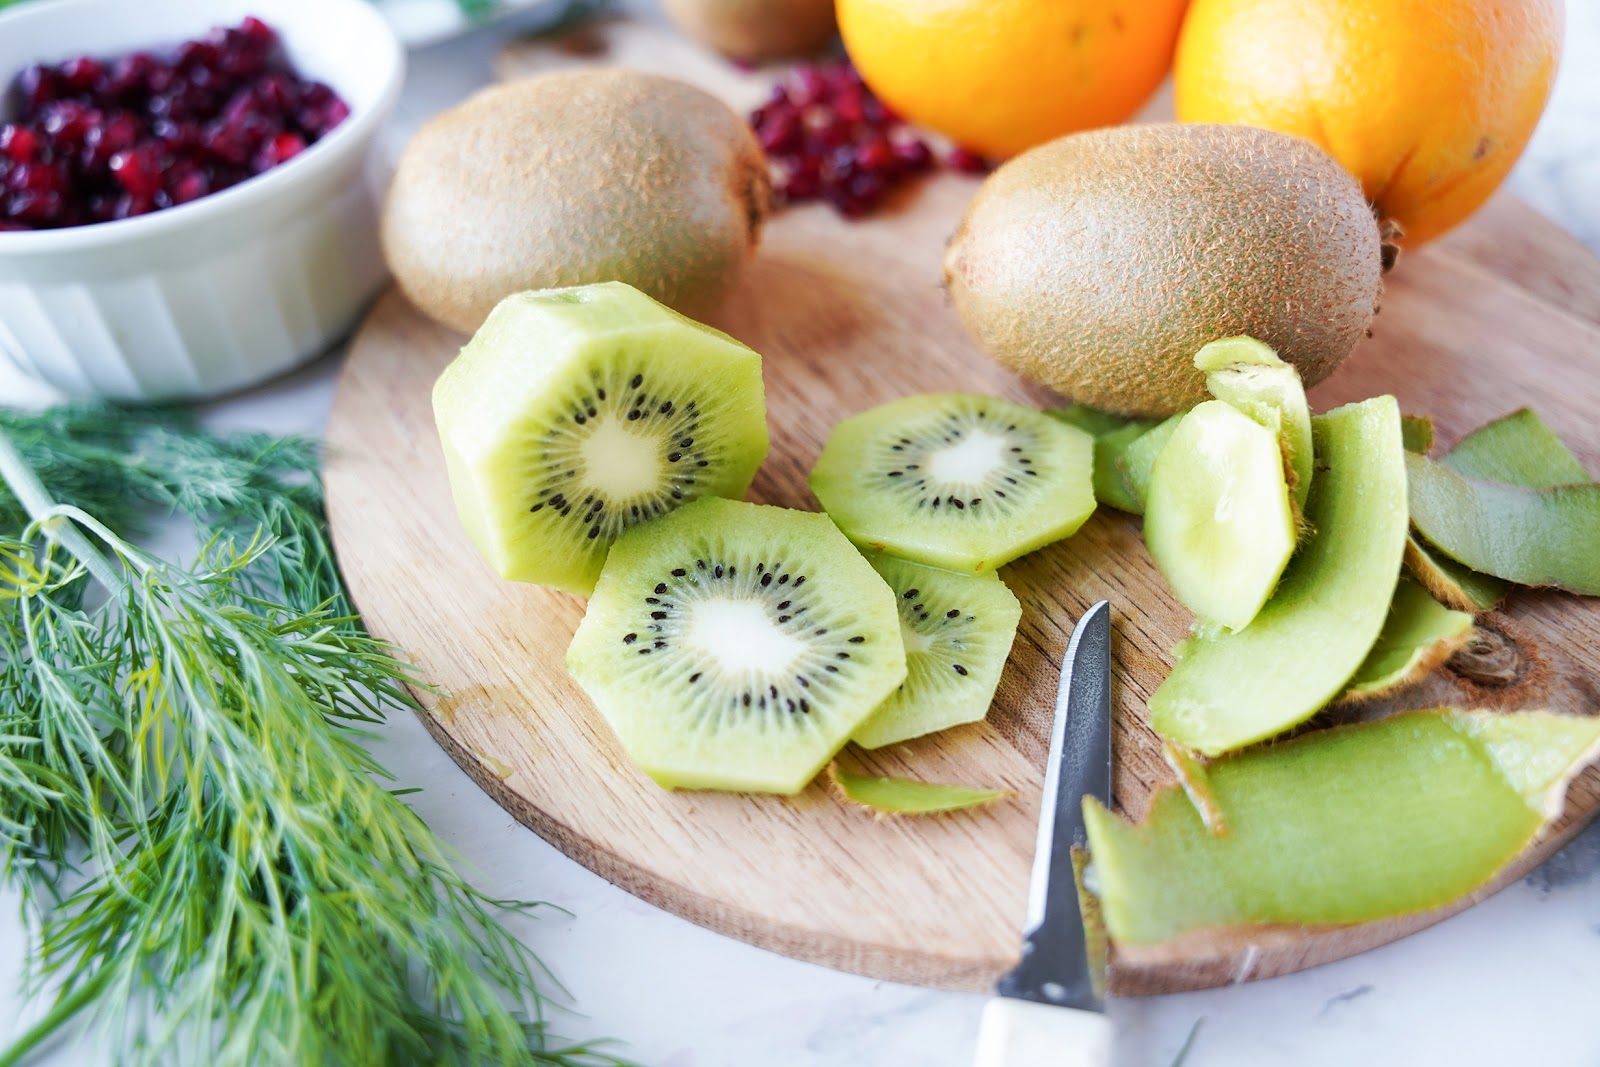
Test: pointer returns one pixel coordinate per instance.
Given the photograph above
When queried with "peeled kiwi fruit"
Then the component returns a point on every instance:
(737, 646)
(956, 480)
(574, 414)
(1098, 264)
(576, 177)
(756, 29)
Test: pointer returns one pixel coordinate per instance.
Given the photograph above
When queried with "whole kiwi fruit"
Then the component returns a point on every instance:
(574, 177)
(756, 29)
(1098, 264)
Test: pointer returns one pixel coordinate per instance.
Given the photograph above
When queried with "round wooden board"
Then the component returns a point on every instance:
(1505, 313)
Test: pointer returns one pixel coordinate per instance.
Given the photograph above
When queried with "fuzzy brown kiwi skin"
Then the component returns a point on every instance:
(575, 177)
(1100, 263)
(756, 29)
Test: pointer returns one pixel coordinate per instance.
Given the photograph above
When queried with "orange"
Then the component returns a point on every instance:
(1427, 102)
(999, 76)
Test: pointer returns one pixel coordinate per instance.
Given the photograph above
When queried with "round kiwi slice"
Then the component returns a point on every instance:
(575, 413)
(958, 630)
(956, 480)
(1219, 523)
(737, 646)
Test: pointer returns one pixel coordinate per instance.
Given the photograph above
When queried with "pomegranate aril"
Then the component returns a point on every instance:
(965, 161)
(258, 33)
(280, 149)
(138, 170)
(192, 186)
(18, 143)
(827, 135)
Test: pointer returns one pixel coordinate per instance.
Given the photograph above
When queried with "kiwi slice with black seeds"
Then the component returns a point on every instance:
(737, 646)
(956, 480)
(574, 414)
(957, 630)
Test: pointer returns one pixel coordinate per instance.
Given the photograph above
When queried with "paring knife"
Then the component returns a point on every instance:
(1047, 1012)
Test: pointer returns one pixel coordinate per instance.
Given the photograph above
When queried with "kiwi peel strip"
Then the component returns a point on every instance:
(1345, 825)
(1419, 635)
(907, 796)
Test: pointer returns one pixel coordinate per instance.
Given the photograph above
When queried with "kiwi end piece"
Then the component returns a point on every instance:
(906, 796)
(1345, 825)
(956, 480)
(957, 630)
(1538, 537)
(1333, 598)
(737, 646)
(1452, 584)
(1420, 634)
(1250, 376)
(574, 414)
(1219, 523)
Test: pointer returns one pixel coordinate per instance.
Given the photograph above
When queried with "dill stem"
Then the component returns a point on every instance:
(35, 499)
(67, 1006)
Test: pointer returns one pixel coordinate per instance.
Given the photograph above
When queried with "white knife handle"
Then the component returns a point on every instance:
(1021, 1033)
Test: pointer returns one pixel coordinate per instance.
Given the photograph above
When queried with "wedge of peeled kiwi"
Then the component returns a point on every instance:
(1220, 523)
(574, 414)
(737, 646)
(957, 630)
(956, 480)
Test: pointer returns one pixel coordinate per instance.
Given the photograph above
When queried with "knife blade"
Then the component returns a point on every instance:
(1048, 1012)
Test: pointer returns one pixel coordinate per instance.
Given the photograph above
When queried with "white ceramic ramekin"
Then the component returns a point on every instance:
(235, 287)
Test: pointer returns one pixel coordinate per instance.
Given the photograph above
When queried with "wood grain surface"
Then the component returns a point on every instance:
(1505, 312)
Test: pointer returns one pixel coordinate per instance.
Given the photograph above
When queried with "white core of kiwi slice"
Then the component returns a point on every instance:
(737, 646)
(957, 629)
(956, 480)
(1219, 522)
(575, 413)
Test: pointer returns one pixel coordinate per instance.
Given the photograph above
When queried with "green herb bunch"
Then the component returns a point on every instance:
(212, 866)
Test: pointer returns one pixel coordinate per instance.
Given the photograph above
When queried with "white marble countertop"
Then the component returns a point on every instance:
(1513, 980)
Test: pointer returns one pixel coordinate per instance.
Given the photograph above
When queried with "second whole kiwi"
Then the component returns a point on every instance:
(756, 30)
(575, 177)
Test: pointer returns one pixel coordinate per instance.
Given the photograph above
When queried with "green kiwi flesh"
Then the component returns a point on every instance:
(1137, 459)
(1418, 636)
(1112, 435)
(1250, 376)
(1219, 522)
(907, 796)
(1345, 825)
(575, 413)
(1330, 605)
(957, 630)
(956, 480)
(737, 646)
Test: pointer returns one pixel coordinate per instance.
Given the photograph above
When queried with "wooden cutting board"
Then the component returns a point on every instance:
(1506, 312)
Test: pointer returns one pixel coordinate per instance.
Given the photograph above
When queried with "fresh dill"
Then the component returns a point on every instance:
(213, 868)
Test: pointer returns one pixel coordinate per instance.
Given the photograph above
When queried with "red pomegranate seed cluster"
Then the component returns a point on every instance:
(93, 141)
(828, 137)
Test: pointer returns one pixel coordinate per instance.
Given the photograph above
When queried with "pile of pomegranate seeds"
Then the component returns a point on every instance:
(829, 138)
(93, 141)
